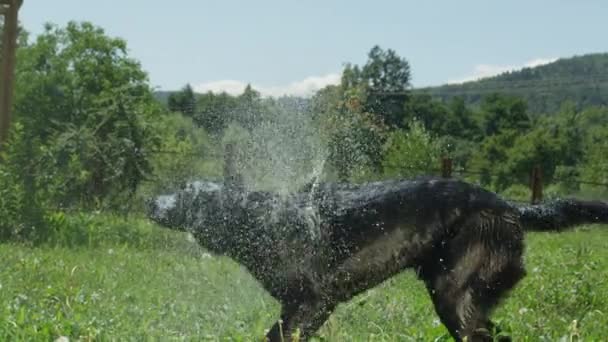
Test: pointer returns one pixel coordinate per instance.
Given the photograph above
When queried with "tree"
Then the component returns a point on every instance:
(88, 114)
(555, 144)
(183, 101)
(502, 112)
(432, 114)
(249, 111)
(381, 86)
(215, 111)
(387, 79)
(412, 152)
(461, 123)
(354, 138)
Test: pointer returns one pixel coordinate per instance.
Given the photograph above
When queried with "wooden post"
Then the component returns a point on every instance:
(229, 163)
(10, 9)
(446, 167)
(536, 185)
(232, 179)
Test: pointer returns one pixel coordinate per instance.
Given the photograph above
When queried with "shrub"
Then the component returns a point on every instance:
(410, 153)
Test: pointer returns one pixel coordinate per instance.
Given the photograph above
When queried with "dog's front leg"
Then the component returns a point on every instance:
(278, 332)
(303, 320)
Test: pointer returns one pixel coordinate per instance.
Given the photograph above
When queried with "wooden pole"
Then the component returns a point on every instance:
(536, 185)
(232, 179)
(446, 167)
(10, 9)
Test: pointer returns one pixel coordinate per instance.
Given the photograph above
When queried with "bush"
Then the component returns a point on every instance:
(21, 206)
(411, 153)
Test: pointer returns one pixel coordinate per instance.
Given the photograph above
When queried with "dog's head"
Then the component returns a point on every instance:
(201, 208)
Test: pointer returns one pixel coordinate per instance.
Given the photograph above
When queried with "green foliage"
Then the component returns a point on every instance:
(355, 115)
(13, 197)
(500, 113)
(516, 192)
(432, 114)
(411, 153)
(514, 148)
(185, 153)
(582, 79)
(214, 112)
(382, 85)
(183, 101)
(354, 141)
(86, 107)
(387, 79)
(119, 278)
(595, 165)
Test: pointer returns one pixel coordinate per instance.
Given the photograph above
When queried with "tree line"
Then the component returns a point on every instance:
(90, 134)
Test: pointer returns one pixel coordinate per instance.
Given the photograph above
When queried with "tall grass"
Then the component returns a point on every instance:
(105, 277)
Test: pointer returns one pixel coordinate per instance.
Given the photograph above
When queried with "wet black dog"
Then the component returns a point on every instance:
(319, 247)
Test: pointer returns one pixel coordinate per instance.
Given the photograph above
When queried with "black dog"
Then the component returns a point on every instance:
(317, 248)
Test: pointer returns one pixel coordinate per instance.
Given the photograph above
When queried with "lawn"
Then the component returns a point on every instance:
(126, 279)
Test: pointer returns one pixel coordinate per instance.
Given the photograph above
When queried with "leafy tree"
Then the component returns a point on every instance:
(88, 109)
(183, 101)
(385, 71)
(186, 153)
(381, 85)
(500, 112)
(354, 138)
(215, 111)
(411, 152)
(387, 78)
(489, 160)
(461, 123)
(355, 143)
(595, 164)
(555, 144)
(432, 114)
(250, 110)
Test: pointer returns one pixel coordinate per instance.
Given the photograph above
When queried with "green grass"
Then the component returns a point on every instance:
(120, 279)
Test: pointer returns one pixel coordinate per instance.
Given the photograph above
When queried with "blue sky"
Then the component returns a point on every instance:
(295, 47)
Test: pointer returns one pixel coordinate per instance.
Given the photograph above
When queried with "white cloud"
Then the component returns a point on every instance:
(231, 87)
(303, 88)
(488, 70)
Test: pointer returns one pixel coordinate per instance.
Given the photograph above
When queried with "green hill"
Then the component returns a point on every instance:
(580, 79)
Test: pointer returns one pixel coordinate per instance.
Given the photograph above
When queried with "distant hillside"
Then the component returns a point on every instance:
(581, 79)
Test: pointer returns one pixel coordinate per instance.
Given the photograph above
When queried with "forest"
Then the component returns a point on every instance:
(91, 140)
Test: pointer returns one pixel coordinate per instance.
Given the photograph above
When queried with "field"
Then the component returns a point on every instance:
(112, 278)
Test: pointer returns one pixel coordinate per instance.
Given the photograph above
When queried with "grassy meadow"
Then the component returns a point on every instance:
(106, 278)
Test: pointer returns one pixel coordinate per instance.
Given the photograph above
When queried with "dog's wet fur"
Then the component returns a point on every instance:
(324, 245)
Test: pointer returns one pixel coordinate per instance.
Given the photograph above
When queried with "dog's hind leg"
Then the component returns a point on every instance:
(467, 279)
(465, 308)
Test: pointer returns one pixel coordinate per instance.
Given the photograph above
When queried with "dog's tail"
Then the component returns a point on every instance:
(562, 214)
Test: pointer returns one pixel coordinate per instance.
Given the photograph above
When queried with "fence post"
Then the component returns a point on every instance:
(446, 167)
(229, 163)
(9, 9)
(536, 185)
(232, 179)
